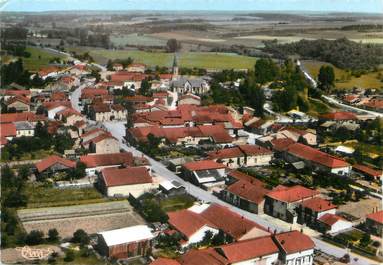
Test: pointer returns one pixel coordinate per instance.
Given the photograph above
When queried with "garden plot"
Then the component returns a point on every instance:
(91, 217)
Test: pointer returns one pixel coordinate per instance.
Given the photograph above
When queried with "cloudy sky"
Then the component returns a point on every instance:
(375, 6)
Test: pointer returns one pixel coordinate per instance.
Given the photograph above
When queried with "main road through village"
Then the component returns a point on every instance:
(117, 129)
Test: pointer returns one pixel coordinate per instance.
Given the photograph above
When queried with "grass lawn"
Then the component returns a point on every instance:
(39, 58)
(344, 79)
(45, 196)
(177, 203)
(318, 107)
(209, 60)
(214, 60)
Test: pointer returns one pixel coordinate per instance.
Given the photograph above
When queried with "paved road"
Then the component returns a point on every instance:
(118, 130)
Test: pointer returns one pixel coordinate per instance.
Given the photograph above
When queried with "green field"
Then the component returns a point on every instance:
(136, 39)
(208, 60)
(344, 80)
(46, 196)
(39, 58)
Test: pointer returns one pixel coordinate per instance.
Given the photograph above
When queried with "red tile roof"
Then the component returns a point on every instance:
(339, 116)
(52, 160)
(125, 176)
(330, 219)
(249, 249)
(107, 159)
(292, 194)
(55, 104)
(207, 256)
(188, 222)
(254, 150)
(93, 91)
(226, 153)
(165, 76)
(127, 76)
(100, 138)
(164, 261)
(59, 96)
(377, 217)
(318, 204)
(252, 192)
(294, 241)
(368, 170)
(281, 144)
(23, 116)
(230, 222)
(11, 92)
(243, 176)
(311, 154)
(203, 165)
(18, 98)
(7, 129)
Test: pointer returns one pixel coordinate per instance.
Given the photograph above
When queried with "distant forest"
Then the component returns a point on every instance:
(342, 53)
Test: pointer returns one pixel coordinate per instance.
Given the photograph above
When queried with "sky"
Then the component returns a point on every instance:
(369, 6)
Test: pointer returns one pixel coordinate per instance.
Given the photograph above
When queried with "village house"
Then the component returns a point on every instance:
(125, 242)
(189, 99)
(242, 156)
(118, 67)
(96, 162)
(69, 116)
(8, 132)
(105, 112)
(54, 107)
(295, 248)
(24, 128)
(192, 223)
(282, 202)
(122, 182)
(188, 136)
(54, 164)
(130, 80)
(88, 94)
(137, 68)
(18, 103)
(289, 248)
(23, 116)
(104, 143)
(314, 159)
(312, 209)
(49, 71)
(367, 172)
(332, 223)
(374, 223)
(194, 85)
(6, 94)
(171, 188)
(205, 173)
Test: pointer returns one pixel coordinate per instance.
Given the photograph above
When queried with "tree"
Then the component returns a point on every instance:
(365, 240)
(34, 237)
(257, 100)
(69, 255)
(207, 238)
(172, 45)
(265, 70)
(145, 88)
(326, 78)
(81, 237)
(53, 235)
(109, 65)
(78, 172)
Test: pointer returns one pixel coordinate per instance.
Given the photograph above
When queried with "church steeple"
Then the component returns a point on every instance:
(175, 67)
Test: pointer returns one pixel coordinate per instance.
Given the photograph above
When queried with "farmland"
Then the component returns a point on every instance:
(39, 58)
(209, 60)
(344, 79)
